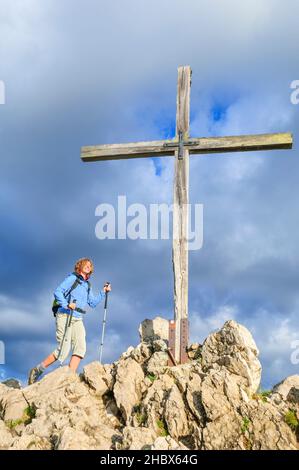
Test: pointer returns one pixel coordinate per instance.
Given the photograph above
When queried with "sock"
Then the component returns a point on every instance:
(41, 367)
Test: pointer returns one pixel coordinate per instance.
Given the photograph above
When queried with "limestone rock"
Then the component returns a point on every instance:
(264, 427)
(167, 443)
(141, 353)
(73, 439)
(68, 414)
(157, 363)
(233, 348)
(12, 383)
(12, 404)
(287, 390)
(137, 438)
(159, 345)
(175, 415)
(194, 398)
(100, 438)
(220, 394)
(223, 433)
(3, 390)
(129, 385)
(194, 351)
(26, 442)
(56, 381)
(149, 330)
(98, 378)
(127, 353)
(153, 403)
(6, 438)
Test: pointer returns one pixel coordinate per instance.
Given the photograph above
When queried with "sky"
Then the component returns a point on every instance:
(96, 72)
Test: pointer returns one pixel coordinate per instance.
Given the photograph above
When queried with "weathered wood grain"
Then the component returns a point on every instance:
(238, 143)
(180, 209)
(124, 151)
(242, 143)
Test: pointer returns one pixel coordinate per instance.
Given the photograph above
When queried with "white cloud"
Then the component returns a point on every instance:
(202, 325)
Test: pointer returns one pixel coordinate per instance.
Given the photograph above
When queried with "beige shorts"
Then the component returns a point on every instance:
(71, 338)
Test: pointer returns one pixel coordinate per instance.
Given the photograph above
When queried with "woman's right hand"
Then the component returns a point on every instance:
(72, 306)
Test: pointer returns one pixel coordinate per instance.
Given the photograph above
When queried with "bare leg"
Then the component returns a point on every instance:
(48, 361)
(74, 363)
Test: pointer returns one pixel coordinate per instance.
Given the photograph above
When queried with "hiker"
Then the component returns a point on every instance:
(71, 297)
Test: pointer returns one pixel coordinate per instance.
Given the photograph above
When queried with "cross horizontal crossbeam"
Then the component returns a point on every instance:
(202, 145)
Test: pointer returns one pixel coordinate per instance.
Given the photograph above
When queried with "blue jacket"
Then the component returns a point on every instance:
(80, 294)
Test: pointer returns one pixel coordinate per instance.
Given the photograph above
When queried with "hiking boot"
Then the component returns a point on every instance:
(34, 375)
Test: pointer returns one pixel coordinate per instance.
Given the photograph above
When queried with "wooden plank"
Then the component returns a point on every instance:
(242, 143)
(124, 151)
(180, 212)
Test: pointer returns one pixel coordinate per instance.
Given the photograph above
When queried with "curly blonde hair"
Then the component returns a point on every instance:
(80, 263)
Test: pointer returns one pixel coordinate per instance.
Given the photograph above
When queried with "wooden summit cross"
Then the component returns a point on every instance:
(180, 147)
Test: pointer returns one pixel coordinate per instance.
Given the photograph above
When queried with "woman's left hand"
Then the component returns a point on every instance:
(107, 287)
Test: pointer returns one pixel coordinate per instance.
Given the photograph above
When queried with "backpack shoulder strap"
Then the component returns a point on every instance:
(73, 286)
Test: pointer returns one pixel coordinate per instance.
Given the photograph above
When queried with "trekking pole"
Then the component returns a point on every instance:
(64, 339)
(104, 322)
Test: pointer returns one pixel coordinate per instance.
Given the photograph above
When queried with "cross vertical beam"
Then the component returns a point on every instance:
(180, 209)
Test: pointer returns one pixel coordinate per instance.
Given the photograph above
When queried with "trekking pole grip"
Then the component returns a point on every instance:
(106, 295)
(106, 299)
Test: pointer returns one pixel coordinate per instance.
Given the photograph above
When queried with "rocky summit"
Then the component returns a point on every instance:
(140, 402)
